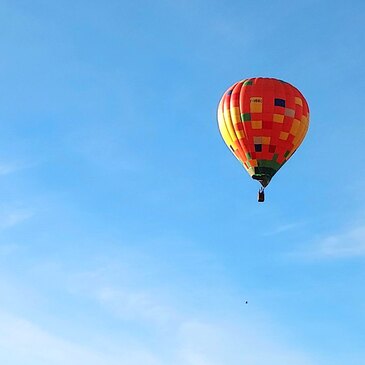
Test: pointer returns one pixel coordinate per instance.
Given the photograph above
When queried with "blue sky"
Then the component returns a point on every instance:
(129, 234)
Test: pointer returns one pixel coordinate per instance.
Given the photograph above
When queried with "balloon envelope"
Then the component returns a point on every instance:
(263, 121)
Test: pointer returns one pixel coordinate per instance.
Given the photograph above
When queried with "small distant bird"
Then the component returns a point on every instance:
(246, 302)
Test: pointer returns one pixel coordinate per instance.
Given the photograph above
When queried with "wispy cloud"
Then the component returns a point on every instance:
(134, 305)
(343, 245)
(12, 217)
(8, 249)
(148, 326)
(24, 342)
(192, 342)
(183, 338)
(22, 339)
(283, 228)
(216, 343)
(7, 168)
(348, 244)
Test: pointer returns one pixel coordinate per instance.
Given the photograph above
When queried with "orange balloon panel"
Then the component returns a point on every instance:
(263, 121)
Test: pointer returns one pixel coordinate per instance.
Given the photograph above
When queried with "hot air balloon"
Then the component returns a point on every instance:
(263, 121)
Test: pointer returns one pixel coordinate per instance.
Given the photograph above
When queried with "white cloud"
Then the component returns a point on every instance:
(191, 342)
(13, 217)
(8, 248)
(284, 228)
(182, 335)
(23, 342)
(134, 305)
(7, 168)
(241, 343)
(148, 328)
(347, 244)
